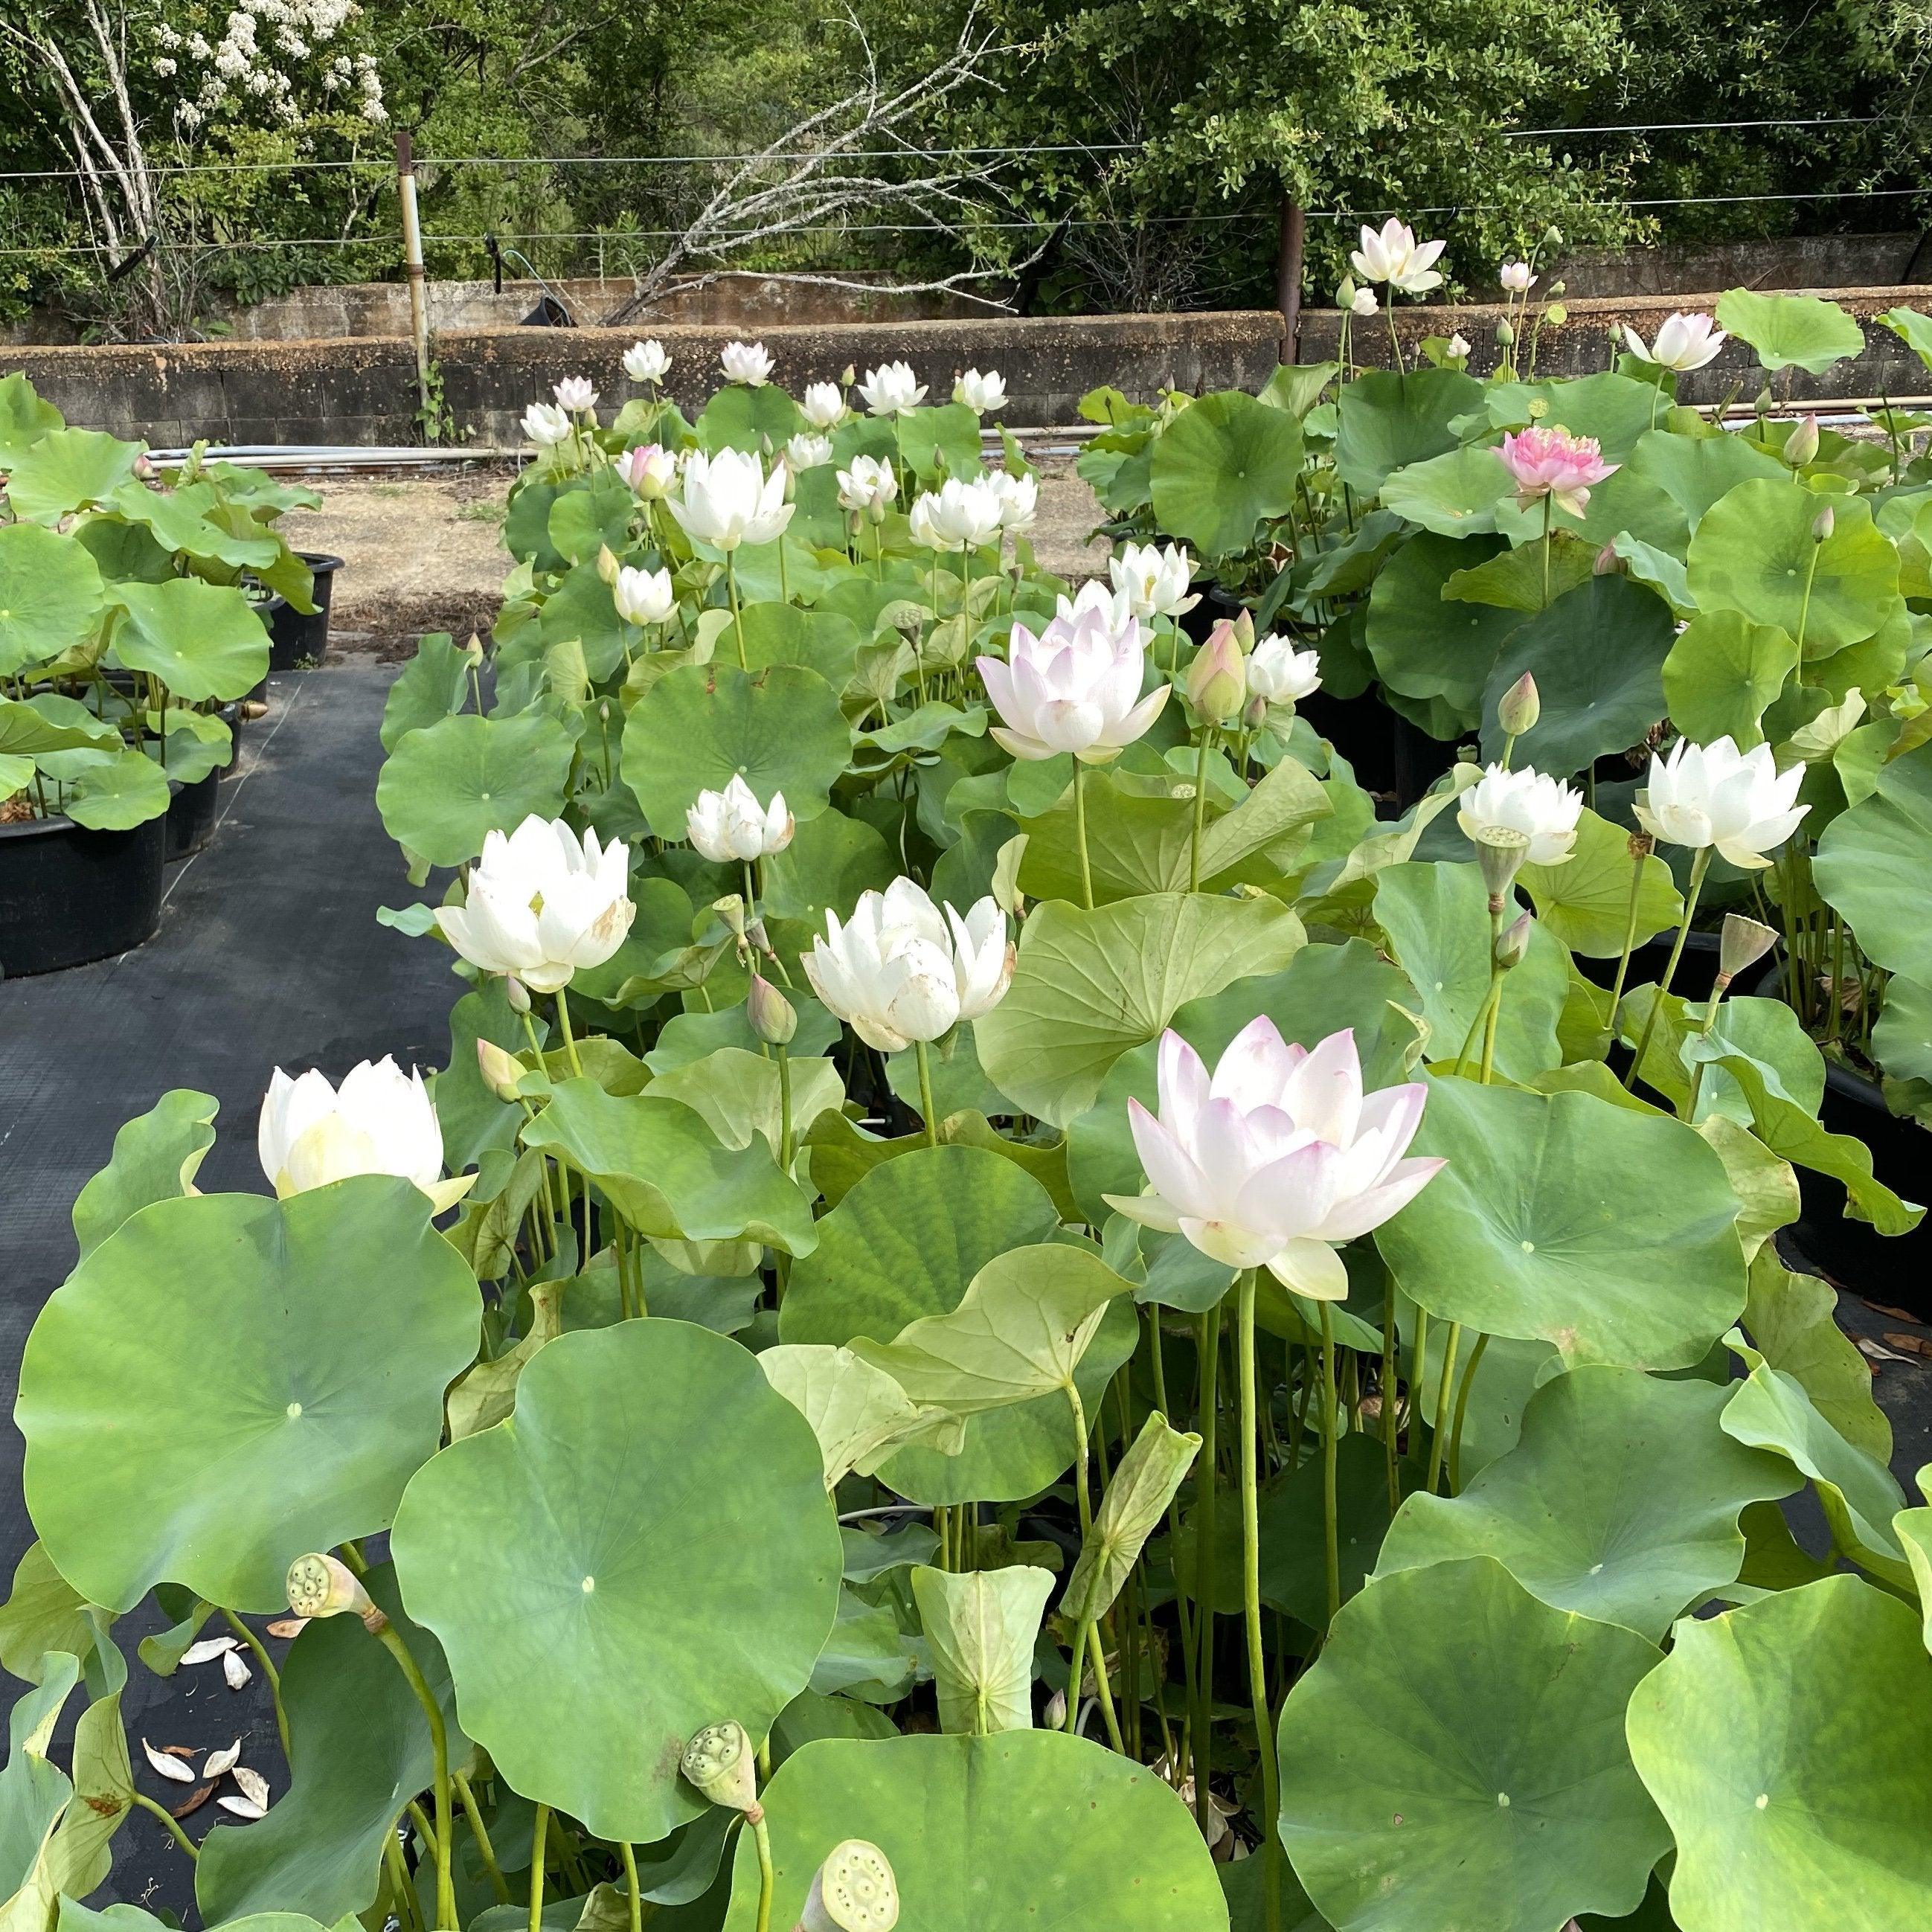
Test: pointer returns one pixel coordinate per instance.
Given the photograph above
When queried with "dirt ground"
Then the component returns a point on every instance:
(425, 553)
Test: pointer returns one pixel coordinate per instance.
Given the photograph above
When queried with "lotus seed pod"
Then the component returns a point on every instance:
(608, 565)
(719, 1762)
(1823, 524)
(1500, 852)
(1513, 942)
(1802, 444)
(516, 993)
(321, 1585)
(501, 1071)
(1743, 943)
(854, 1891)
(774, 1018)
(731, 909)
(1553, 236)
(1520, 707)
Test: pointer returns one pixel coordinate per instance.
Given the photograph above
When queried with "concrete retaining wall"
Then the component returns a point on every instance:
(1790, 262)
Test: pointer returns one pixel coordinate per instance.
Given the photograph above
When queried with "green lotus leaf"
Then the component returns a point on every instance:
(1792, 1321)
(580, 620)
(982, 1627)
(1148, 1479)
(1585, 900)
(68, 469)
(858, 1413)
(1456, 1759)
(1425, 645)
(1024, 1827)
(667, 1173)
(432, 686)
(1385, 421)
(1786, 1745)
(1513, 580)
(1871, 866)
(1790, 331)
(594, 513)
(1089, 986)
(280, 1408)
(34, 1792)
(189, 518)
(1695, 471)
(742, 416)
(196, 742)
(1621, 1501)
(448, 785)
(24, 417)
(44, 1613)
(1614, 409)
(359, 1748)
(1567, 1218)
(740, 1094)
(157, 1155)
(1597, 655)
(1721, 673)
(1755, 552)
(780, 730)
(51, 596)
(125, 1918)
(1457, 494)
(824, 641)
(939, 435)
(110, 791)
(831, 860)
(1220, 467)
(652, 1524)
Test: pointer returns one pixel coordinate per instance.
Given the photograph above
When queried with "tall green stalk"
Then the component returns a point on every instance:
(1699, 865)
(1251, 1602)
(1209, 1343)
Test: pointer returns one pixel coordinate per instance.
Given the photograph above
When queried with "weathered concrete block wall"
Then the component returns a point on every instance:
(363, 391)
(1790, 262)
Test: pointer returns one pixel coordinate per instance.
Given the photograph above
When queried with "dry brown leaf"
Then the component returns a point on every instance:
(286, 1626)
(168, 1762)
(193, 1802)
(1912, 1345)
(1886, 1308)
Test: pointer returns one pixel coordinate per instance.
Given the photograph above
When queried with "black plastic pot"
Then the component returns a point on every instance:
(1697, 971)
(68, 895)
(191, 815)
(295, 642)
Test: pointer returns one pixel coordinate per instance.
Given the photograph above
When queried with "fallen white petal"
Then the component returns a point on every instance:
(169, 1767)
(223, 1761)
(286, 1626)
(254, 1786)
(207, 1650)
(241, 1808)
(234, 1669)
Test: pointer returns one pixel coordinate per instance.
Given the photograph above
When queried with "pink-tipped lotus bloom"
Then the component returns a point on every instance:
(1074, 688)
(1552, 462)
(649, 469)
(1276, 1157)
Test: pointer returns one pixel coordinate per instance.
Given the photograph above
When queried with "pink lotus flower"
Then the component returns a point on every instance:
(1552, 462)
(1074, 688)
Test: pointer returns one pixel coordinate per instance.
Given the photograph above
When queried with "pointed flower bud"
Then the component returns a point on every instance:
(1217, 680)
(719, 1762)
(774, 1018)
(1513, 942)
(1501, 851)
(1505, 335)
(1606, 562)
(1823, 524)
(1802, 444)
(501, 1071)
(322, 1585)
(516, 993)
(1743, 943)
(1520, 707)
(854, 1891)
(608, 565)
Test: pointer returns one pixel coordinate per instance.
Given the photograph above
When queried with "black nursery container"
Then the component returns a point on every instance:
(68, 895)
(296, 642)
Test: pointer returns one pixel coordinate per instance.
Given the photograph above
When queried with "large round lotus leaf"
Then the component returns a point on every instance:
(1872, 866)
(1616, 409)
(1567, 1218)
(1220, 466)
(360, 1746)
(1621, 1502)
(294, 1387)
(68, 470)
(780, 730)
(109, 792)
(742, 416)
(1597, 654)
(1423, 646)
(1786, 1744)
(1585, 901)
(1385, 421)
(989, 1834)
(1088, 985)
(1790, 331)
(1323, 989)
(645, 1547)
(1436, 918)
(1722, 672)
(1457, 494)
(1695, 471)
(50, 595)
(1755, 552)
(202, 640)
(1455, 1761)
(446, 787)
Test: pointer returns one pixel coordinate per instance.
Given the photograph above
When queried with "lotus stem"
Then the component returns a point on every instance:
(1209, 1351)
(922, 1056)
(438, 1739)
(1439, 1435)
(1070, 1721)
(1200, 807)
(1103, 1692)
(786, 1149)
(1699, 865)
(737, 616)
(761, 1837)
(1251, 1602)
(1080, 833)
(636, 1898)
(539, 1838)
(1331, 1535)
(479, 1834)
(563, 1026)
(1079, 1409)
(1389, 1403)
(403, 1904)
(1637, 857)
(1549, 504)
(167, 1818)
(1461, 1410)
(268, 1671)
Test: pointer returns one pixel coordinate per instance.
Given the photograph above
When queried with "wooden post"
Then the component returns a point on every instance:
(1288, 276)
(412, 256)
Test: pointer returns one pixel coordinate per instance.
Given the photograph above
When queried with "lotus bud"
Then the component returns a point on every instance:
(608, 565)
(1802, 444)
(719, 1762)
(1505, 335)
(1553, 237)
(516, 993)
(854, 1891)
(473, 650)
(1345, 293)
(1513, 942)
(1607, 563)
(774, 1018)
(1520, 707)
(1500, 852)
(848, 375)
(1055, 1719)
(501, 1071)
(1823, 524)
(1743, 943)
(1557, 288)
(1255, 716)
(144, 467)
(731, 909)
(321, 1585)
(1217, 680)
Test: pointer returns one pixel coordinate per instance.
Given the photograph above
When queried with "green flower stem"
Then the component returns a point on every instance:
(1181, 1603)
(174, 1831)
(1700, 866)
(268, 1671)
(1079, 1409)
(1418, 1367)
(1331, 1450)
(1200, 807)
(1805, 602)
(1461, 1410)
(1103, 1691)
(1719, 988)
(1630, 943)
(761, 1836)
(1439, 1435)
(922, 1056)
(786, 1148)
(731, 593)
(1549, 505)
(1209, 1352)
(479, 1833)
(1251, 1601)
(438, 1739)
(404, 1902)
(635, 1896)
(1389, 1404)
(539, 1836)
(1080, 833)
(563, 1026)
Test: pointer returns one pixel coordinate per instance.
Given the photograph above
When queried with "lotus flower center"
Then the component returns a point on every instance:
(536, 905)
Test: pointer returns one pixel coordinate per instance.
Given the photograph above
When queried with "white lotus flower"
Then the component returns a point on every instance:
(1363, 303)
(541, 905)
(983, 394)
(959, 515)
(577, 394)
(869, 485)
(747, 362)
(1114, 606)
(899, 970)
(824, 405)
(1716, 795)
(1154, 581)
(1074, 688)
(891, 389)
(1685, 342)
(1277, 1157)
(807, 452)
(731, 825)
(1019, 500)
(545, 424)
(643, 596)
(379, 1121)
(1516, 277)
(1392, 255)
(648, 469)
(726, 500)
(1457, 349)
(647, 362)
(1282, 674)
(1544, 810)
